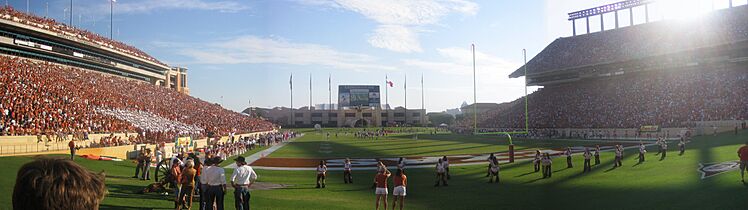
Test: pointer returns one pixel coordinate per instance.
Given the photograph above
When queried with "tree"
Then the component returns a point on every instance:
(437, 118)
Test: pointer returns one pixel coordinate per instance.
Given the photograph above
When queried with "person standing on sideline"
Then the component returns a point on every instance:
(71, 144)
(587, 156)
(176, 176)
(664, 149)
(140, 159)
(536, 160)
(446, 167)
(347, 171)
(321, 173)
(399, 192)
(215, 179)
(188, 185)
(547, 162)
(494, 170)
(147, 159)
(642, 151)
(743, 155)
(242, 178)
(568, 158)
(619, 156)
(401, 163)
(440, 174)
(380, 180)
(597, 154)
(682, 145)
(490, 160)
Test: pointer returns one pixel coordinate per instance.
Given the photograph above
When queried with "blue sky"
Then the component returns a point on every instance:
(239, 51)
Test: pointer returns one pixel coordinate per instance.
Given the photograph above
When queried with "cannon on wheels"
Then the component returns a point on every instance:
(163, 172)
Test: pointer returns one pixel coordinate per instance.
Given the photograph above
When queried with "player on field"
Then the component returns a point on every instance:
(536, 160)
(619, 156)
(547, 162)
(587, 156)
(682, 145)
(321, 173)
(597, 154)
(440, 173)
(494, 170)
(490, 159)
(347, 171)
(446, 167)
(642, 151)
(380, 181)
(664, 150)
(743, 155)
(399, 192)
(568, 158)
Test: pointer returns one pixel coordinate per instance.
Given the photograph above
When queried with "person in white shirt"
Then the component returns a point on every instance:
(215, 179)
(642, 151)
(587, 156)
(536, 160)
(664, 149)
(547, 162)
(597, 154)
(242, 178)
(347, 171)
(619, 156)
(321, 173)
(440, 173)
(494, 170)
(445, 161)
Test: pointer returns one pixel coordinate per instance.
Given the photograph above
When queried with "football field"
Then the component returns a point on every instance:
(673, 183)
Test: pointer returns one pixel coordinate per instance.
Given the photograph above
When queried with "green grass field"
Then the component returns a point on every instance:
(404, 145)
(673, 183)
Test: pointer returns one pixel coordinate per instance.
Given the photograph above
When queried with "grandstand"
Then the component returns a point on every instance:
(60, 80)
(671, 73)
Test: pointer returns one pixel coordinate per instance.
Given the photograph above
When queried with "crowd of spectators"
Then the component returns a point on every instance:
(720, 28)
(41, 97)
(8, 13)
(668, 98)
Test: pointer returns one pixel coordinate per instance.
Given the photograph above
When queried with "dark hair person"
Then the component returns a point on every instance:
(48, 183)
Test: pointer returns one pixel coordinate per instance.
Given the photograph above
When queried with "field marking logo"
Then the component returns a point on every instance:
(712, 169)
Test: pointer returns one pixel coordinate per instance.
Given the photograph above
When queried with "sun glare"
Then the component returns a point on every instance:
(683, 9)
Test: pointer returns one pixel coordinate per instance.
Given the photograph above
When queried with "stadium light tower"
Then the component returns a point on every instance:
(475, 96)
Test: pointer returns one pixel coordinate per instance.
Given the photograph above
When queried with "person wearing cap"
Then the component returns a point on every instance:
(242, 178)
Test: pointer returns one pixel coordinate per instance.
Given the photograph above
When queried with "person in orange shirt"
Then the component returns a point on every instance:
(187, 184)
(381, 186)
(400, 181)
(176, 175)
(743, 154)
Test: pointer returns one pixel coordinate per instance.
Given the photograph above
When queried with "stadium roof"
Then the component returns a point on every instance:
(640, 41)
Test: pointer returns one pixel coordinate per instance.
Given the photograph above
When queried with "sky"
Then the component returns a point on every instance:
(242, 53)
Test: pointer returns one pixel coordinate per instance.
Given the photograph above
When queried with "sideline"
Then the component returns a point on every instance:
(254, 157)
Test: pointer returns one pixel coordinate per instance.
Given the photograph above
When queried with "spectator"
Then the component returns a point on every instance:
(57, 184)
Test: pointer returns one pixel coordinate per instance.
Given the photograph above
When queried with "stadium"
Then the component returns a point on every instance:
(81, 113)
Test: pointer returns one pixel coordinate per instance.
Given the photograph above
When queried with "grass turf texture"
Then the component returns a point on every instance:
(404, 145)
(673, 183)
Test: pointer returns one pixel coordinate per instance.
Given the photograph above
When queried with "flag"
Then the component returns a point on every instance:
(390, 83)
(290, 82)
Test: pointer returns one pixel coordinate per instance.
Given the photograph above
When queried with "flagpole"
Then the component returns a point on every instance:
(475, 97)
(111, 19)
(405, 87)
(387, 93)
(329, 97)
(423, 106)
(293, 113)
(527, 119)
(310, 91)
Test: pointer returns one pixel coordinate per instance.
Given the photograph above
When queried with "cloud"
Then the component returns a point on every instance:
(398, 19)
(148, 6)
(492, 72)
(257, 50)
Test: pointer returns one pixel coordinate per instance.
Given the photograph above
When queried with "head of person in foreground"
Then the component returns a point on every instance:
(53, 183)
